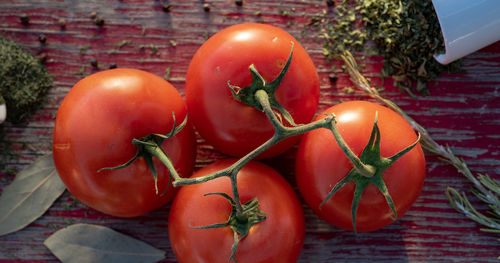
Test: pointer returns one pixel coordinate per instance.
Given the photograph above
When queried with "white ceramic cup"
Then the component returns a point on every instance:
(467, 25)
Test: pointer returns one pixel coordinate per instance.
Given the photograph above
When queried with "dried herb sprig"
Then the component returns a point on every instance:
(485, 188)
(24, 81)
(405, 32)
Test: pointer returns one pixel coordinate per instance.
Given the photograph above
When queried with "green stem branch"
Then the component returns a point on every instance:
(365, 170)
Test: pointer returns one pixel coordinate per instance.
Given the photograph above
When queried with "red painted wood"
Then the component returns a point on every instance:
(462, 111)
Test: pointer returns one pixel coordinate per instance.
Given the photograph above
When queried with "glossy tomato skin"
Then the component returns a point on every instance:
(279, 238)
(230, 126)
(94, 128)
(321, 164)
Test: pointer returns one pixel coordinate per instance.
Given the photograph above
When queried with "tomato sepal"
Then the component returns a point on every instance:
(369, 158)
(149, 146)
(247, 96)
(239, 222)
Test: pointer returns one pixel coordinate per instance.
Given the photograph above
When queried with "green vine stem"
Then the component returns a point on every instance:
(281, 132)
(485, 188)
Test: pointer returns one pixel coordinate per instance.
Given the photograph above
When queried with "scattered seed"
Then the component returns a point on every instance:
(94, 63)
(62, 23)
(206, 7)
(42, 57)
(166, 7)
(42, 38)
(25, 19)
(99, 21)
(332, 77)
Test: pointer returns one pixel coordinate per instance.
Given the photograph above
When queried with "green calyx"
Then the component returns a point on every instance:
(371, 171)
(239, 222)
(150, 146)
(246, 94)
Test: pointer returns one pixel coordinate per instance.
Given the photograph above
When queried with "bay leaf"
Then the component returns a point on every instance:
(93, 243)
(31, 193)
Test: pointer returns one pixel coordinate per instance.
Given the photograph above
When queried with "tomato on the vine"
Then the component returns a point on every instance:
(232, 127)
(321, 164)
(278, 238)
(94, 129)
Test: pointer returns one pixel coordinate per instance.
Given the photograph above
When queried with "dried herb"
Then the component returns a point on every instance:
(31, 193)
(92, 243)
(24, 81)
(166, 76)
(84, 49)
(405, 32)
(154, 49)
(124, 42)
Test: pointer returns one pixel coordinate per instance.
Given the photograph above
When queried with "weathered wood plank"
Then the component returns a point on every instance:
(462, 111)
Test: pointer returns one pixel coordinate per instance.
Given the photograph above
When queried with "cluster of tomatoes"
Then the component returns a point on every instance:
(104, 112)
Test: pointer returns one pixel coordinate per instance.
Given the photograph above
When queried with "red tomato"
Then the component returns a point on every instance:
(278, 238)
(94, 128)
(321, 164)
(235, 128)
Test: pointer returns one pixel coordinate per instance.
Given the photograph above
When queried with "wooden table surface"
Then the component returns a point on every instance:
(462, 111)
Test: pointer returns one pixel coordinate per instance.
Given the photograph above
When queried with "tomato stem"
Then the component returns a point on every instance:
(150, 146)
(365, 170)
(370, 157)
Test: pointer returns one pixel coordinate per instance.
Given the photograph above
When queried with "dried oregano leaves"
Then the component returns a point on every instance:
(24, 80)
(405, 32)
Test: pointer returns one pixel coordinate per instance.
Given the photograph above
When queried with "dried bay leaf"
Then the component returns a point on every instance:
(31, 193)
(92, 243)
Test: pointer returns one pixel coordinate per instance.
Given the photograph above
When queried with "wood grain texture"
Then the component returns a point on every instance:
(462, 111)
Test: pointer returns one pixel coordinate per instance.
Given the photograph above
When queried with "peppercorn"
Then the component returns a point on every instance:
(42, 38)
(25, 19)
(99, 21)
(94, 63)
(62, 23)
(166, 7)
(206, 7)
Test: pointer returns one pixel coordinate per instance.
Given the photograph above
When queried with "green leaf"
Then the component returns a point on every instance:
(92, 243)
(31, 193)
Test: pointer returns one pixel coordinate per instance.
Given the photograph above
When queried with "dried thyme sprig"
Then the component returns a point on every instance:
(485, 188)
